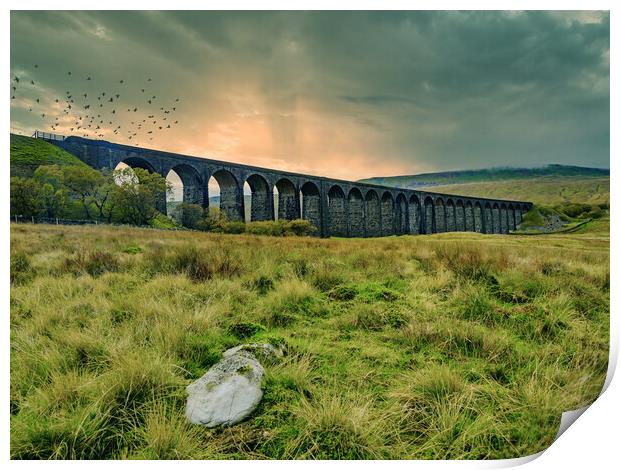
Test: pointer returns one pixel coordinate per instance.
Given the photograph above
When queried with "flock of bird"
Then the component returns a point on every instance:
(100, 114)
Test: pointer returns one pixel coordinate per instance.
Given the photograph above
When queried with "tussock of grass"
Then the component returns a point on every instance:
(336, 427)
(198, 265)
(94, 262)
(457, 345)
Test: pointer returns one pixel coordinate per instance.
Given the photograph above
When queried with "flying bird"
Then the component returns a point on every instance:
(16, 79)
(69, 73)
(88, 78)
(32, 81)
(36, 66)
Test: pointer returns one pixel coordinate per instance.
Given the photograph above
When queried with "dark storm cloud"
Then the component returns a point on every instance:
(358, 93)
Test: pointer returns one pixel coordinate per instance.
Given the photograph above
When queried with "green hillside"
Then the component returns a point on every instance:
(544, 190)
(487, 174)
(27, 153)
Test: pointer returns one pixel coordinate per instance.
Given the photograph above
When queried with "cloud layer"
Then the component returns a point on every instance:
(345, 94)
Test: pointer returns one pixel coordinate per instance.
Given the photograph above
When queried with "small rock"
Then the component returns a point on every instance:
(231, 389)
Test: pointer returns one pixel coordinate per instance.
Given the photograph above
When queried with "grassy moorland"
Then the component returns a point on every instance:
(490, 174)
(445, 346)
(546, 191)
(28, 153)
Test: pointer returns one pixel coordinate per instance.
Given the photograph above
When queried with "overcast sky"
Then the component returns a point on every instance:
(340, 94)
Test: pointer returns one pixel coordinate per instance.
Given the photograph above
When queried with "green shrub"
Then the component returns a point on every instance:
(279, 228)
(299, 227)
(234, 227)
(188, 215)
(266, 227)
(163, 222)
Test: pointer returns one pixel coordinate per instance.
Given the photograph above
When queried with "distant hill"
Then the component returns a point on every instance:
(546, 190)
(27, 153)
(486, 175)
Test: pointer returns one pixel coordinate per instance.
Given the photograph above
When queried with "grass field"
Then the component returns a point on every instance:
(28, 153)
(445, 346)
(549, 191)
(489, 174)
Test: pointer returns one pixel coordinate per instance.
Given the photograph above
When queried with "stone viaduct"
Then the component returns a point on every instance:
(335, 207)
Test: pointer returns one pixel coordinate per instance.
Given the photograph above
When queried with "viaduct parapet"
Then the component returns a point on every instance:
(335, 207)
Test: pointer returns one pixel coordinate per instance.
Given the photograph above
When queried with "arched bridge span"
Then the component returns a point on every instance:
(335, 207)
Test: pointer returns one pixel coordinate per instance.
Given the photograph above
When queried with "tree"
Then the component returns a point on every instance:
(138, 195)
(188, 215)
(52, 200)
(25, 196)
(52, 192)
(84, 183)
(51, 174)
(104, 199)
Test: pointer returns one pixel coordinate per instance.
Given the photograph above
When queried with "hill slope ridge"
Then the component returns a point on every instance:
(486, 174)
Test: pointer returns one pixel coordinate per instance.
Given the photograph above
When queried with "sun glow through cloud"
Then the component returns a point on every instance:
(349, 95)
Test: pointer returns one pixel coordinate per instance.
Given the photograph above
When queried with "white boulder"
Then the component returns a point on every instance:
(231, 389)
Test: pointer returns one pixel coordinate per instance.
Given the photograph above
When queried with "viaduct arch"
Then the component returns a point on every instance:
(335, 207)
